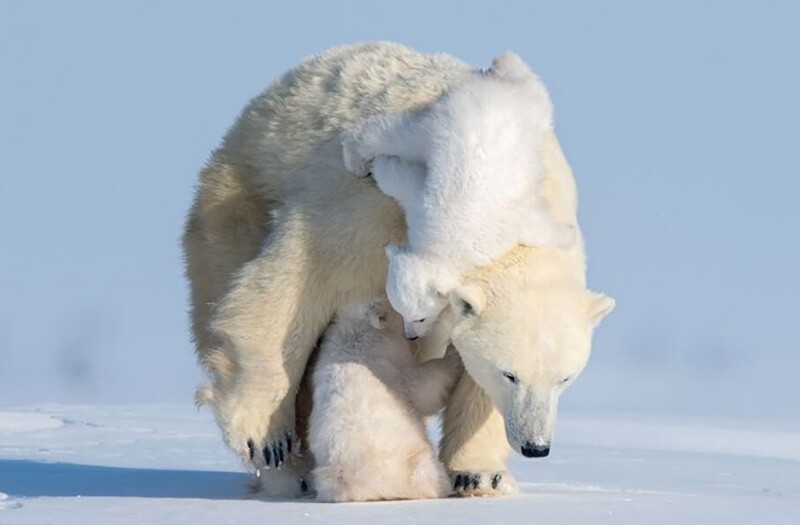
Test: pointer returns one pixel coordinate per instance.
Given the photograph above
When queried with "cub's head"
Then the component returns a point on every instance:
(377, 312)
(524, 347)
(417, 288)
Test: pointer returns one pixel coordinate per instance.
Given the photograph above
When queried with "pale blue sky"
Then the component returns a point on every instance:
(680, 119)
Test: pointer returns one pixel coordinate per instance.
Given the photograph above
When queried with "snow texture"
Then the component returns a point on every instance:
(167, 464)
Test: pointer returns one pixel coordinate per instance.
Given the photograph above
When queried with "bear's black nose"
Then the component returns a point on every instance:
(529, 450)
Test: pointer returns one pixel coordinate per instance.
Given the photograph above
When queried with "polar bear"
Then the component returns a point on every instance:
(281, 235)
(367, 431)
(466, 171)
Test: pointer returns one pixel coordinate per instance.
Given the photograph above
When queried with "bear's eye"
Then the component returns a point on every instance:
(511, 377)
(420, 320)
(467, 308)
(565, 380)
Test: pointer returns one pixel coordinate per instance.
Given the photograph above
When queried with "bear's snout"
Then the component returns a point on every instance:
(410, 333)
(529, 450)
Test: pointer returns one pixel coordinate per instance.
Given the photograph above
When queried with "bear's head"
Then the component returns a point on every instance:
(417, 288)
(524, 341)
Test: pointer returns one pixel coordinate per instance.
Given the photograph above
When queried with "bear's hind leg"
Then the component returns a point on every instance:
(474, 447)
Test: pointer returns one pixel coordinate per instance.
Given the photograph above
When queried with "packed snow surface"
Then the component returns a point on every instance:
(166, 464)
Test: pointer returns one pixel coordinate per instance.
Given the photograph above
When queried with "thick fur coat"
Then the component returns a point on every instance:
(366, 431)
(280, 236)
(467, 171)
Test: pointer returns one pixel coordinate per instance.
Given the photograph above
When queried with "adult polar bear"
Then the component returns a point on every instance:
(280, 235)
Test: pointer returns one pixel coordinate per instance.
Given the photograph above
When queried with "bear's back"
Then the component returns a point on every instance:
(281, 128)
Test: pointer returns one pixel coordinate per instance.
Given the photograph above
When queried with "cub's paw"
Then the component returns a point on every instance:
(289, 482)
(483, 483)
(354, 155)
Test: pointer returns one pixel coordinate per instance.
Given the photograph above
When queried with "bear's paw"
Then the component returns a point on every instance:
(483, 483)
(263, 438)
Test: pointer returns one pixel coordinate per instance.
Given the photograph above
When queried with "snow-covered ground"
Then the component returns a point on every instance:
(166, 464)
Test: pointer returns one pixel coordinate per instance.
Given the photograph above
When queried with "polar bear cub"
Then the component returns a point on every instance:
(366, 429)
(466, 171)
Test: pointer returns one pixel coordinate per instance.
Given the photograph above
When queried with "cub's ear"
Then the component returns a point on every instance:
(598, 306)
(467, 300)
(443, 285)
(510, 65)
(393, 250)
(377, 315)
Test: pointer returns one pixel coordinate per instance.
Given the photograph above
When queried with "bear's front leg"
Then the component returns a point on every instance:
(474, 447)
(267, 326)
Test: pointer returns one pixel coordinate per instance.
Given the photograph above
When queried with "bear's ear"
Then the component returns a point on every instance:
(510, 65)
(598, 306)
(467, 300)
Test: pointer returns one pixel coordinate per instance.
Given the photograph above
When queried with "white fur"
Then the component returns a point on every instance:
(467, 171)
(525, 361)
(367, 431)
(281, 235)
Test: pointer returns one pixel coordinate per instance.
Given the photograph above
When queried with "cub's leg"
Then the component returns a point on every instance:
(432, 382)
(403, 181)
(474, 447)
(402, 136)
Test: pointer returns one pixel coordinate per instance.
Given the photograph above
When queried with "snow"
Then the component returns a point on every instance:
(166, 464)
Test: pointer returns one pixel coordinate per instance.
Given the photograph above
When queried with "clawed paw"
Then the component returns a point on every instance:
(273, 453)
(261, 433)
(463, 482)
(466, 484)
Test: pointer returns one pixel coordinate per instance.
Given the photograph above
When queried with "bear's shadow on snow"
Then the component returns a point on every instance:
(32, 479)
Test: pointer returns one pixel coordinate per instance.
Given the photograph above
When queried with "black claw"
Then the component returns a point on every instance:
(476, 480)
(303, 486)
(267, 456)
(275, 458)
(459, 483)
(496, 480)
(251, 448)
(288, 442)
(280, 453)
